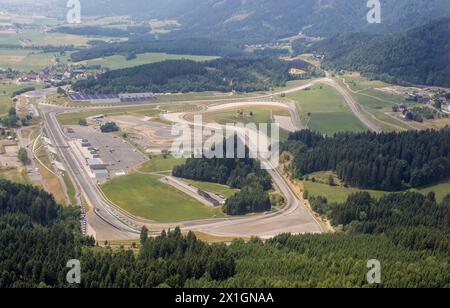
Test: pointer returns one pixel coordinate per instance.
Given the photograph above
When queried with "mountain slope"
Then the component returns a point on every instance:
(418, 56)
(251, 20)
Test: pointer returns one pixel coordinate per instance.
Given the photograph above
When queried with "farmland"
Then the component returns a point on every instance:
(119, 61)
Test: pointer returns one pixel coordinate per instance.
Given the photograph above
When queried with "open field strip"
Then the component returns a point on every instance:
(339, 193)
(218, 189)
(325, 110)
(376, 103)
(50, 180)
(120, 62)
(160, 164)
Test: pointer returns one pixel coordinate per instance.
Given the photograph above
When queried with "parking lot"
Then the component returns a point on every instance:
(119, 155)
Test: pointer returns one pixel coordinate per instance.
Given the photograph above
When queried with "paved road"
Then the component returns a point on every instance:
(352, 104)
(102, 218)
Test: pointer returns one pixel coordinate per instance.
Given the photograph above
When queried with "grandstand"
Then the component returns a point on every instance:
(113, 98)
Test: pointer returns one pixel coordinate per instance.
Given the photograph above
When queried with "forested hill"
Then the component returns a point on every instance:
(256, 20)
(229, 74)
(242, 173)
(145, 43)
(418, 56)
(387, 161)
(408, 232)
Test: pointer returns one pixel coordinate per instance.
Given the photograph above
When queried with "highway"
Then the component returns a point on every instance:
(107, 222)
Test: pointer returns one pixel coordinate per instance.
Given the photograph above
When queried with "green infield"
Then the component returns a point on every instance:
(147, 197)
(73, 118)
(119, 61)
(161, 164)
(223, 190)
(325, 110)
(245, 115)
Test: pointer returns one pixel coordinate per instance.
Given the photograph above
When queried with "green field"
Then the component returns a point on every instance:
(339, 194)
(24, 60)
(329, 112)
(256, 114)
(375, 102)
(14, 175)
(224, 117)
(73, 118)
(71, 192)
(37, 37)
(145, 196)
(223, 190)
(6, 90)
(161, 164)
(119, 61)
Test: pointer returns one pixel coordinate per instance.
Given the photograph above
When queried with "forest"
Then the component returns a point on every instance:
(410, 219)
(245, 174)
(408, 233)
(416, 56)
(387, 161)
(143, 44)
(173, 76)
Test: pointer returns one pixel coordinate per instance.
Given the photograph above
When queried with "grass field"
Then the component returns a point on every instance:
(250, 115)
(223, 190)
(50, 181)
(14, 175)
(6, 90)
(145, 196)
(24, 60)
(256, 114)
(375, 102)
(71, 192)
(329, 112)
(119, 61)
(339, 194)
(73, 118)
(161, 164)
(38, 37)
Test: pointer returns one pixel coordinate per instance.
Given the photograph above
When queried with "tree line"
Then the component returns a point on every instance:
(241, 173)
(410, 219)
(145, 44)
(387, 161)
(35, 247)
(173, 76)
